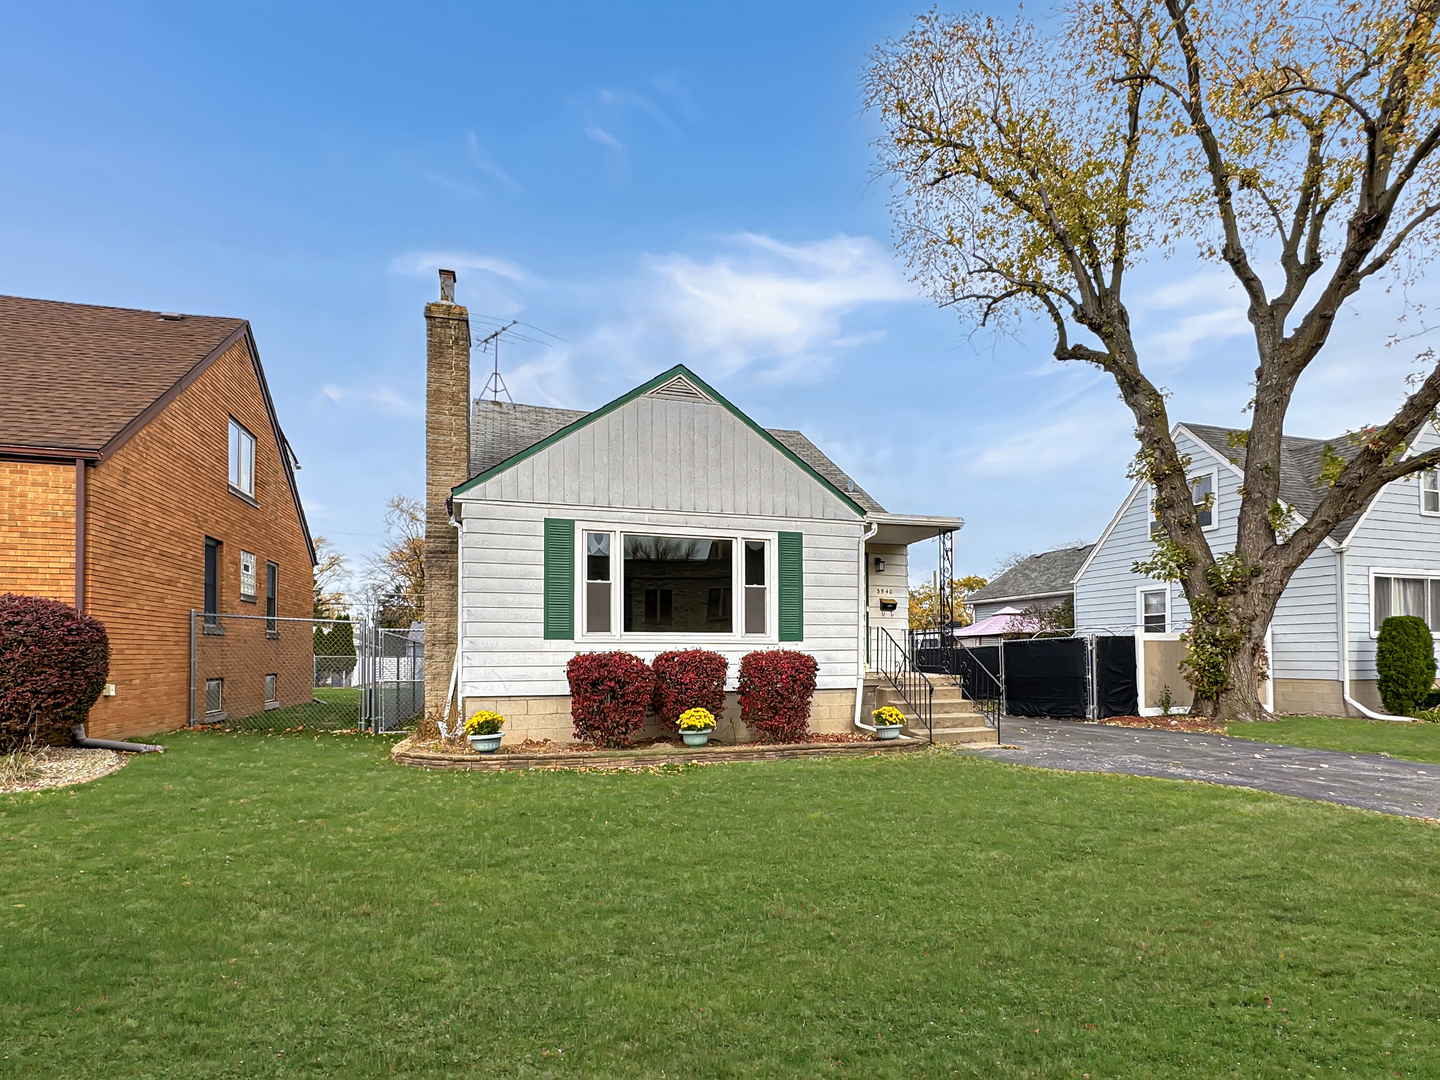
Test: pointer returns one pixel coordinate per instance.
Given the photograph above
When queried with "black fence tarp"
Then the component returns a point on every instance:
(1115, 691)
(977, 668)
(1046, 677)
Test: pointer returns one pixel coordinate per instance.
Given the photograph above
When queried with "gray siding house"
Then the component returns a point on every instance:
(1382, 561)
(664, 520)
(1037, 581)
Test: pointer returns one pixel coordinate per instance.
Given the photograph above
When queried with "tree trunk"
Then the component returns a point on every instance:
(1247, 670)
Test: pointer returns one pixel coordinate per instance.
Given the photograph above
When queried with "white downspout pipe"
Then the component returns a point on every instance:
(450, 695)
(1345, 650)
(864, 596)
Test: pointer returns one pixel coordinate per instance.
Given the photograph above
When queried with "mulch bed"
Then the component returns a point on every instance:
(61, 766)
(431, 753)
(1167, 723)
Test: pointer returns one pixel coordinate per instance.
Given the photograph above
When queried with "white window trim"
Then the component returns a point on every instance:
(245, 433)
(1214, 475)
(1392, 572)
(1421, 493)
(679, 640)
(1140, 591)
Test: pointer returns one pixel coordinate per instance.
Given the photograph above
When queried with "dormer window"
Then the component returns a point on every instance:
(242, 459)
(1203, 488)
(1430, 492)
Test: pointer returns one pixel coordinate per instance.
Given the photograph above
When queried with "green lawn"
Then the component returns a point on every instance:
(334, 707)
(295, 905)
(1413, 742)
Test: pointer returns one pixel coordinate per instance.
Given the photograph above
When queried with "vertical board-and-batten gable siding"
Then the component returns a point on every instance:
(502, 589)
(1392, 535)
(1306, 640)
(660, 453)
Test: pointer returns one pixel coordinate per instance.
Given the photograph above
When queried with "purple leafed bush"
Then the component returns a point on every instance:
(53, 665)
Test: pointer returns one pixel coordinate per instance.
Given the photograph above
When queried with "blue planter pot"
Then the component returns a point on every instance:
(485, 744)
(696, 738)
(888, 731)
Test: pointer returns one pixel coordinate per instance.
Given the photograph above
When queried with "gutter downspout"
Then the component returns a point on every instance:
(77, 736)
(459, 616)
(863, 583)
(1345, 649)
(80, 534)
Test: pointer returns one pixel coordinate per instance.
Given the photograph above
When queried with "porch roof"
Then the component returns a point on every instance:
(910, 528)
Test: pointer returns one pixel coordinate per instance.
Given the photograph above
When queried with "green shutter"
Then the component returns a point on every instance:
(792, 586)
(559, 579)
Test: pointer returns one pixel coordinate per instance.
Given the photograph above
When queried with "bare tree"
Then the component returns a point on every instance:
(395, 582)
(332, 578)
(1292, 142)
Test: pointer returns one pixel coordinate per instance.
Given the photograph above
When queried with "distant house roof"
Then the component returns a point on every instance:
(1048, 574)
(77, 378)
(1300, 462)
(500, 430)
(1007, 620)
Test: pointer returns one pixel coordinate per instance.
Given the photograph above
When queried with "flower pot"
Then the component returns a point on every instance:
(697, 738)
(485, 744)
(888, 731)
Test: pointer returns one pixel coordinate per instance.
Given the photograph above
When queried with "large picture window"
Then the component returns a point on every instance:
(678, 585)
(1396, 595)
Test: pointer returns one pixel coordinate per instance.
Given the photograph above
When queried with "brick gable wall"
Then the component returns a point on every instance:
(37, 529)
(150, 507)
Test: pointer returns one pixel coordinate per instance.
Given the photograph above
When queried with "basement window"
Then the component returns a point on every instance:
(271, 692)
(214, 696)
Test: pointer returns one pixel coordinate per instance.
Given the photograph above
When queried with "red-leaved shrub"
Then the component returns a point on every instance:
(775, 692)
(688, 679)
(53, 664)
(608, 695)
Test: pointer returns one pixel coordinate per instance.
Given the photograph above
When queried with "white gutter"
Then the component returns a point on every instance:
(864, 593)
(1343, 550)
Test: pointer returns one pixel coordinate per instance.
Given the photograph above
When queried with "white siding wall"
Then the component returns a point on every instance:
(893, 583)
(664, 454)
(1394, 535)
(1305, 637)
(501, 586)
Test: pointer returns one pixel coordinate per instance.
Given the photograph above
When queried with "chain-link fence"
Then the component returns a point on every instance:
(259, 672)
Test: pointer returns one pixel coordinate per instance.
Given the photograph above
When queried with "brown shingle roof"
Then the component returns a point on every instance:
(75, 375)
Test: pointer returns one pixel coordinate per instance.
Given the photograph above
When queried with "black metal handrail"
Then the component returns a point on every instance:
(893, 661)
(985, 689)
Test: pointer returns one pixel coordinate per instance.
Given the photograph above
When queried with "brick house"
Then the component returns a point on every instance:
(143, 475)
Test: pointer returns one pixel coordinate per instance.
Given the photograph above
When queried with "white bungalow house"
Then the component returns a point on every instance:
(1382, 561)
(667, 519)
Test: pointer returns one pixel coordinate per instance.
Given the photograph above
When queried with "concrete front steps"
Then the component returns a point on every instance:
(954, 717)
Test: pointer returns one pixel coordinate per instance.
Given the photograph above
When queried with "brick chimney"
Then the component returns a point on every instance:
(447, 463)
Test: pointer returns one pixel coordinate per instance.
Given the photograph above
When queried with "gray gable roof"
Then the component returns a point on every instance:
(1049, 572)
(1300, 461)
(500, 430)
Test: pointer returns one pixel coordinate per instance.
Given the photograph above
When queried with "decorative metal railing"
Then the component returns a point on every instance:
(894, 661)
(984, 687)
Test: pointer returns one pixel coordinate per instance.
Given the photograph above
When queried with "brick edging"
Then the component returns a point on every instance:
(403, 754)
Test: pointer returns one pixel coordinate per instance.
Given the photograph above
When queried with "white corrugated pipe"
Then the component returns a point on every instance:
(1345, 651)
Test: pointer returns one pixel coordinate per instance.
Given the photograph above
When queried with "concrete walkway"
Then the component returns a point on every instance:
(1370, 781)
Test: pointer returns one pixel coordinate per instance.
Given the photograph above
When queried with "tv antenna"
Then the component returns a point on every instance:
(505, 331)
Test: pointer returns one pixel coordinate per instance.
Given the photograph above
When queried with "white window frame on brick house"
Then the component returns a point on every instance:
(675, 639)
(242, 460)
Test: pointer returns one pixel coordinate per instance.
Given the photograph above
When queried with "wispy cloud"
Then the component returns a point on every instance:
(414, 263)
(476, 156)
(378, 398)
(596, 133)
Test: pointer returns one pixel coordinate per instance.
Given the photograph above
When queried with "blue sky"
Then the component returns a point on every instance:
(652, 183)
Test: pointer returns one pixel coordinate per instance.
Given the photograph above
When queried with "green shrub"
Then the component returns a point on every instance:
(1405, 658)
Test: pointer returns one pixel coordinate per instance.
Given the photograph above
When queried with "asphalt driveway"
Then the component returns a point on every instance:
(1371, 781)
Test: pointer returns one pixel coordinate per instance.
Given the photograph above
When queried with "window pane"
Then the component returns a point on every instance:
(1434, 603)
(597, 556)
(1430, 492)
(677, 584)
(1153, 609)
(754, 562)
(755, 609)
(234, 454)
(597, 607)
(270, 681)
(1381, 601)
(1410, 597)
(1203, 486)
(214, 693)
